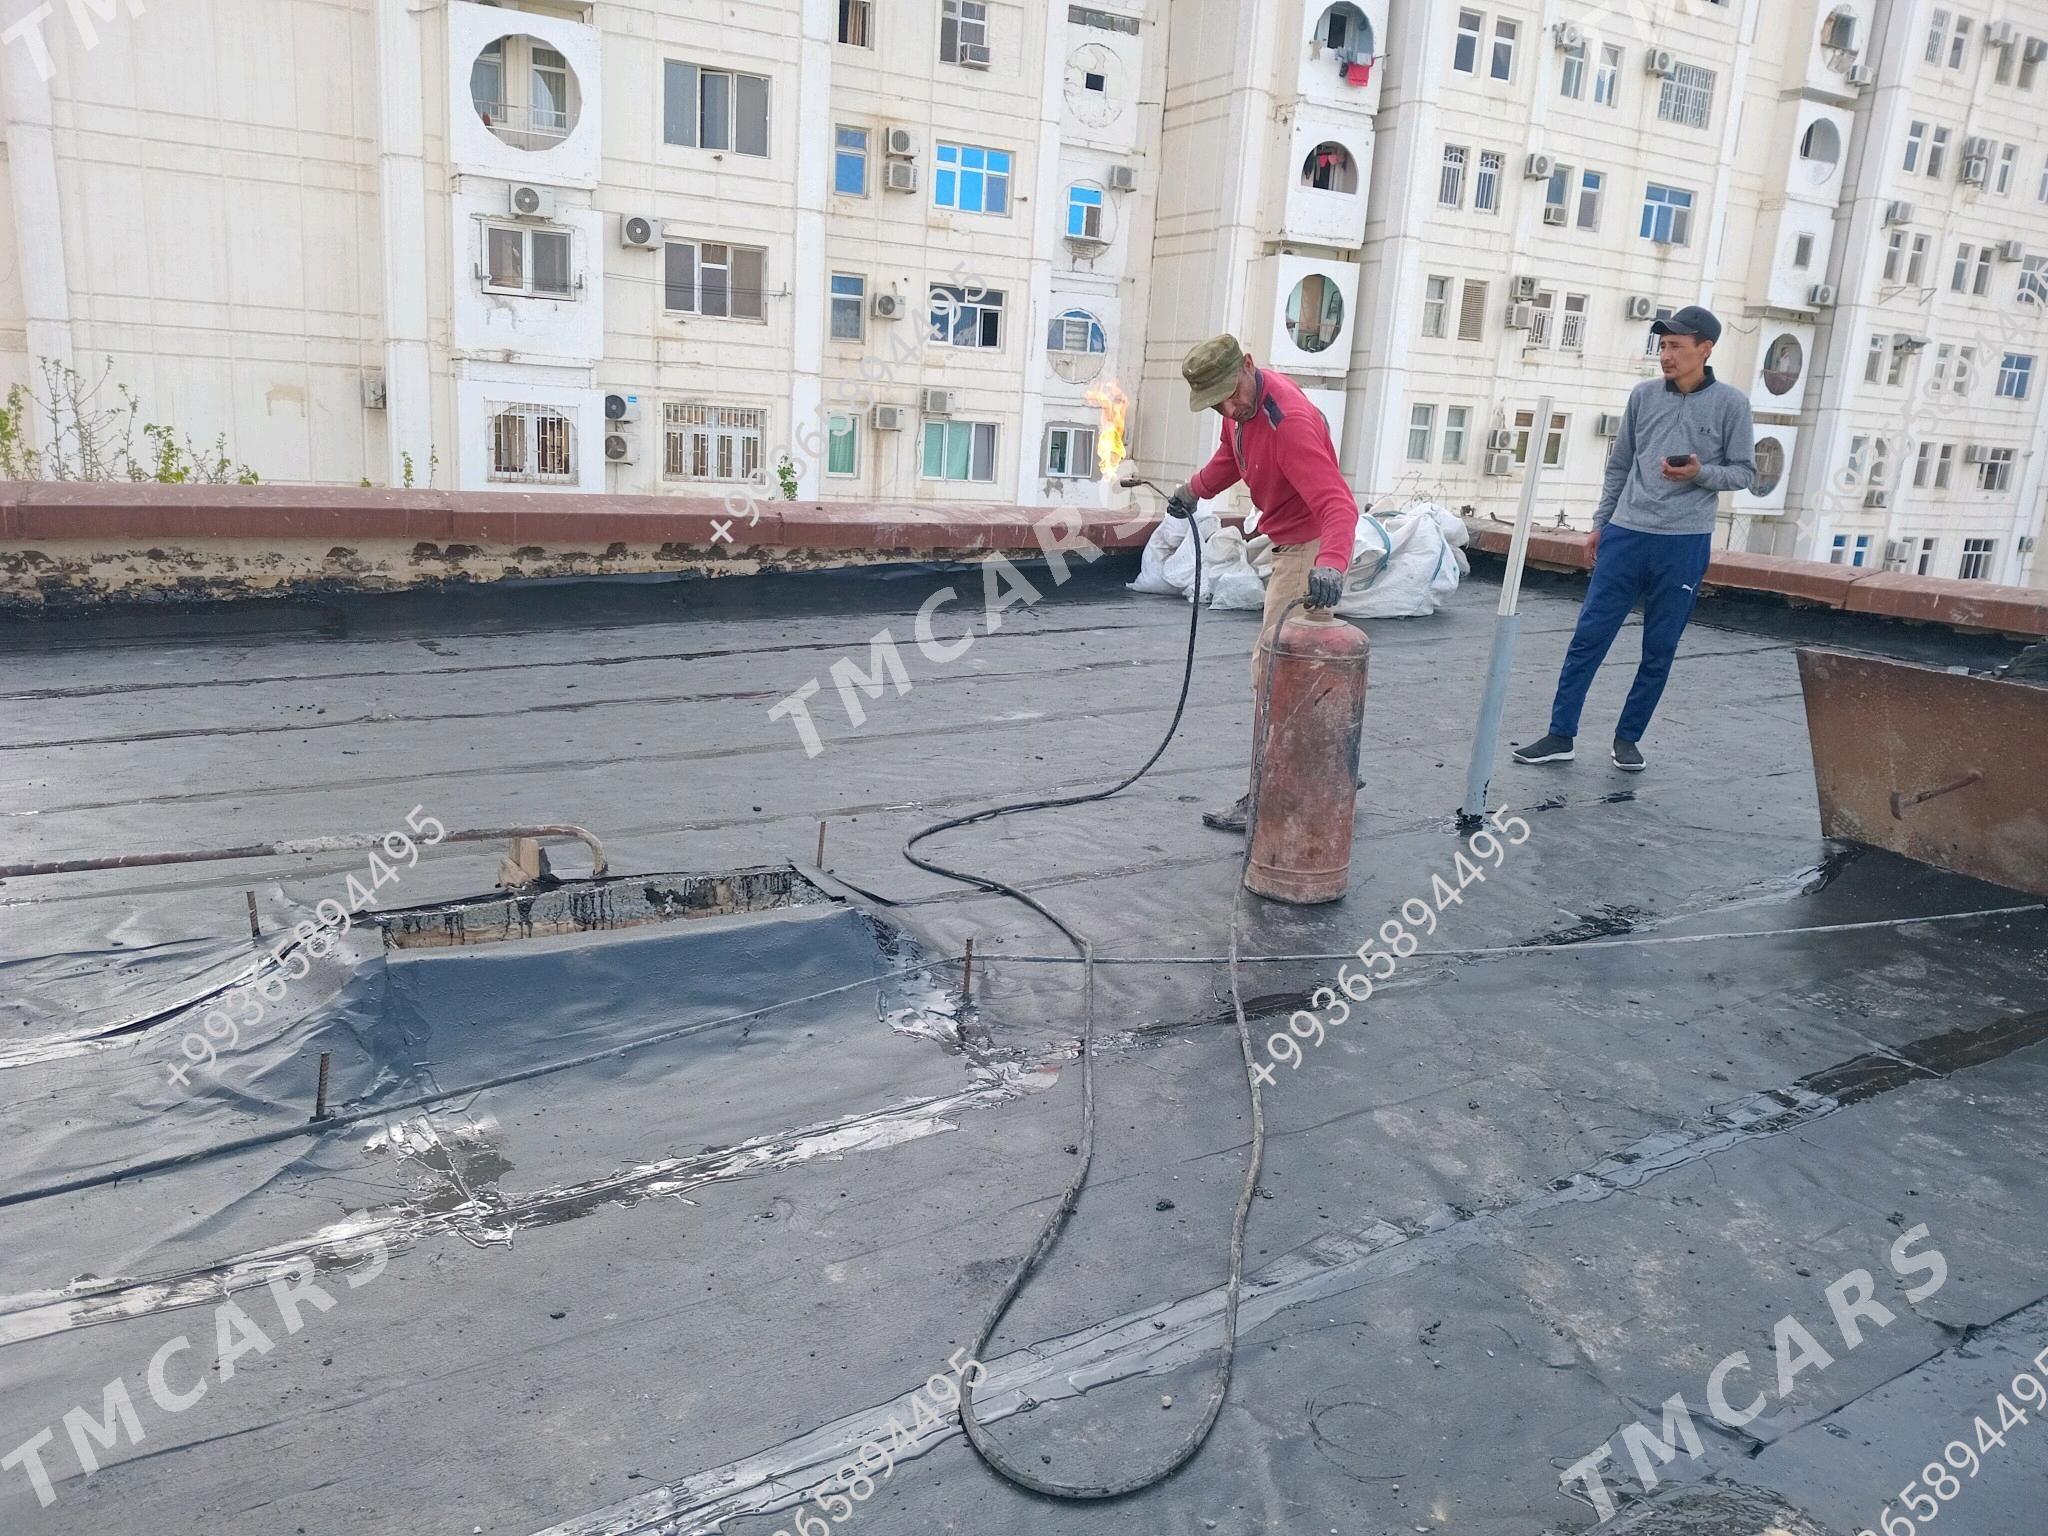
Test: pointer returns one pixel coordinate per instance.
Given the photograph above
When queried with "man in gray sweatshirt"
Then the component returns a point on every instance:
(1684, 439)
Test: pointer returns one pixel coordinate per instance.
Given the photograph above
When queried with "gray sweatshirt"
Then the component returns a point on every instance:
(1713, 422)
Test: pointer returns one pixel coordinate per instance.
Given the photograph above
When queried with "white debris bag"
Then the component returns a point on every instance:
(1166, 538)
(1179, 569)
(1229, 579)
(1406, 566)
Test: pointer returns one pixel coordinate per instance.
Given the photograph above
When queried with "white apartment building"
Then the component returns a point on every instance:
(1548, 176)
(654, 246)
(596, 245)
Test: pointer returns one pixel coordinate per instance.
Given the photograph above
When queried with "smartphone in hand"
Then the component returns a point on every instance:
(1678, 460)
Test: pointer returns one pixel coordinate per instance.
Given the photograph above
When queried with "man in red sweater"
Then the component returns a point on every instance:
(1279, 446)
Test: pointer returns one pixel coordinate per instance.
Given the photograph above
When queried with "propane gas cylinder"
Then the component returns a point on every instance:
(1307, 766)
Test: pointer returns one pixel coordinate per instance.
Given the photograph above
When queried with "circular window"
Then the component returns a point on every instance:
(1770, 466)
(1821, 149)
(1315, 313)
(1344, 27)
(1783, 364)
(525, 92)
(1076, 346)
(1330, 168)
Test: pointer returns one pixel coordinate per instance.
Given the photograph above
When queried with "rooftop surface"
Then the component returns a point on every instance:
(647, 1229)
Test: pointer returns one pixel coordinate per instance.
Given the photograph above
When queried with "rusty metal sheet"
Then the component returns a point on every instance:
(1945, 768)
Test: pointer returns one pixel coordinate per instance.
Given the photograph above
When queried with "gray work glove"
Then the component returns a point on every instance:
(1325, 588)
(1182, 502)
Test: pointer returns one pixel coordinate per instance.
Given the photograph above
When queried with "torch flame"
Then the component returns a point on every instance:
(1109, 398)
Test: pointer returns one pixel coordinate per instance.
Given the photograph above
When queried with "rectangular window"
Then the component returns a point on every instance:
(971, 179)
(1687, 96)
(1541, 313)
(1090, 16)
(550, 90)
(855, 20)
(959, 450)
(1457, 429)
(1959, 281)
(2034, 280)
(1070, 453)
(1505, 33)
(1571, 83)
(960, 321)
(1944, 466)
(1937, 36)
(1571, 336)
(1995, 473)
(1486, 183)
(1084, 213)
(1592, 190)
(2032, 51)
(963, 31)
(2008, 162)
(1652, 347)
(842, 445)
(1436, 298)
(1553, 440)
(850, 161)
(1966, 369)
(1558, 192)
(1895, 375)
(520, 259)
(1959, 42)
(1465, 52)
(1450, 191)
(1977, 555)
(711, 442)
(1925, 564)
(1421, 433)
(1472, 312)
(1937, 153)
(1607, 79)
(1894, 255)
(1923, 470)
(1667, 215)
(2016, 376)
(1916, 144)
(1873, 360)
(1802, 252)
(715, 109)
(720, 282)
(1981, 285)
(533, 443)
(1848, 550)
(1916, 264)
(849, 306)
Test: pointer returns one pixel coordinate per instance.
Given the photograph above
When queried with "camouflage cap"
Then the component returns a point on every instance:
(1211, 370)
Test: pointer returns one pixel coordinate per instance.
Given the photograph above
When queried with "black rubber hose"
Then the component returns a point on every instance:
(1049, 1234)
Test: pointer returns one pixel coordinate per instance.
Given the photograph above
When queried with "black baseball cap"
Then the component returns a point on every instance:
(1693, 320)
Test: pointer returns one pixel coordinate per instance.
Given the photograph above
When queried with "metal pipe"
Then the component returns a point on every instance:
(320, 1093)
(296, 846)
(1506, 626)
(255, 929)
(1901, 803)
(967, 976)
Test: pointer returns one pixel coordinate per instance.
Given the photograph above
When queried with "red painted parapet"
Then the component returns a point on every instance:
(1980, 605)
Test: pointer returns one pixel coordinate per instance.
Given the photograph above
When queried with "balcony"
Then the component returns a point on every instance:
(1328, 174)
(1343, 54)
(523, 93)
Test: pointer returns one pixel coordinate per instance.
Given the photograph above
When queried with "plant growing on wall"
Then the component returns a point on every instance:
(93, 438)
(785, 474)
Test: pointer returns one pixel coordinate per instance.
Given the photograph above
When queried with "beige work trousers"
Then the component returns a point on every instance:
(1289, 580)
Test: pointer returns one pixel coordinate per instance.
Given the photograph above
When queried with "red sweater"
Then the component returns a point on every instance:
(1286, 459)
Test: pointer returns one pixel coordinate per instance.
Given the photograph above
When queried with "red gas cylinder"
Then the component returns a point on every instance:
(1308, 761)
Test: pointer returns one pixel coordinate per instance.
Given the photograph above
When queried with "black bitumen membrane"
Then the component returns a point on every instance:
(644, 1228)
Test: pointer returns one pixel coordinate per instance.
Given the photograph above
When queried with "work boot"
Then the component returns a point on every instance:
(1627, 757)
(1551, 749)
(1231, 818)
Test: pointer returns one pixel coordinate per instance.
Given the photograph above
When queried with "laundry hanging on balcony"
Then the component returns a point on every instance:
(1354, 71)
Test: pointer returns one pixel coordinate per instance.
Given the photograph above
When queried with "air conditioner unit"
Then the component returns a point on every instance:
(1641, 307)
(886, 418)
(937, 402)
(1500, 464)
(1569, 34)
(621, 410)
(1607, 424)
(900, 144)
(1525, 290)
(1901, 342)
(637, 232)
(1839, 33)
(375, 395)
(1976, 171)
(1539, 167)
(2001, 34)
(1897, 551)
(1976, 147)
(1899, 212)
(1821, 295)
(620, 447)
(1498, 439)
(887, 306)
(1860, 75)
(1521, 317)
(1659, 61)
(974, 55)
(2012, 250)
(1123, 178)
(1877, 499)
(531, 202)
(2036, 50)
(2026, 543)
(1976, 453)
(1554, 214)
(900, 176)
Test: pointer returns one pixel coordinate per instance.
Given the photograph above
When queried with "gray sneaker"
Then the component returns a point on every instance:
(1627, 757)
(1551, 749)
(1230, 818)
